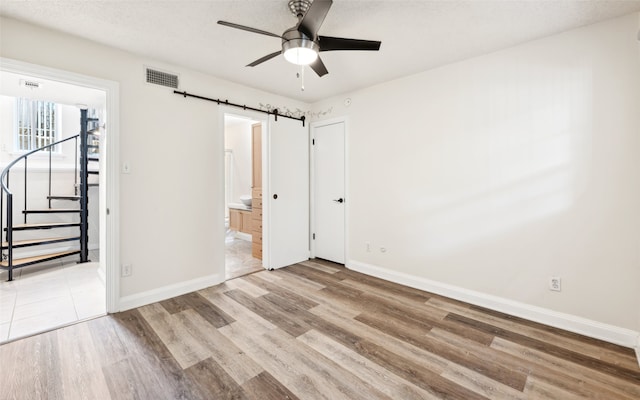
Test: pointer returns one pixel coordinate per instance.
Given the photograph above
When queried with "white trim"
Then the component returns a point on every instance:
(243, 236)
(110, 211)
(169, 291)
(347, 192)
(638, 350)
(112, 188)
(573, 323)
(312, 190)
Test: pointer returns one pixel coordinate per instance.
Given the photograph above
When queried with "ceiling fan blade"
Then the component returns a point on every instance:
(318, 67)
(313, 19)
(328, 43)
(265, 58)
(247, 28)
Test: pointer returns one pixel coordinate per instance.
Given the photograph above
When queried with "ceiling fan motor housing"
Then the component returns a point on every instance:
(299, 7)
(299, 44)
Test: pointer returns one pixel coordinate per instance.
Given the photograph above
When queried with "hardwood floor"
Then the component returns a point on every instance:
(314, 331)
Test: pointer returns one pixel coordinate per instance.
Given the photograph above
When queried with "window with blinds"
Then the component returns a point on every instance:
(37, 124)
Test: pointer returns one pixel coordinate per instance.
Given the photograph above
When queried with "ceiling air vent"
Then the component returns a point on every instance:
(162, 78)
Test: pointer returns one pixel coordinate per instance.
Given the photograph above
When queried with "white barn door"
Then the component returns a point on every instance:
(286, 201)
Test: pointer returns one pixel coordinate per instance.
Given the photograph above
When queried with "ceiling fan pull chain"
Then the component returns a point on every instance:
(302, 78)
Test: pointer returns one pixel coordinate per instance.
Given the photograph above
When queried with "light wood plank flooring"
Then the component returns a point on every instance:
(314, 330)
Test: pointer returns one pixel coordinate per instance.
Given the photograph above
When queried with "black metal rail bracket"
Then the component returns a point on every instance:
(243, 106)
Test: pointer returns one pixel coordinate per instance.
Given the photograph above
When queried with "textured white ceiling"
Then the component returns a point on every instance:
(415, 35)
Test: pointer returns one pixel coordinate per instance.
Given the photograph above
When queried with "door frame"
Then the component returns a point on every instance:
(312, 195)
(110, 191)
(264, 120)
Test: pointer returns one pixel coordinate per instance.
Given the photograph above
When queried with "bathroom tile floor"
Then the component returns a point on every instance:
(238, 259)
(46, 296)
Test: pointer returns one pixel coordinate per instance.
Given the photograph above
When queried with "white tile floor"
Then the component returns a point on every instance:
(46, 296)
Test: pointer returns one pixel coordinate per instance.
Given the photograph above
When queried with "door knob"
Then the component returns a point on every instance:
(340, 200)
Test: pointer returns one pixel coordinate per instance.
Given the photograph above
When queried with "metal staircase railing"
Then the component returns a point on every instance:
(7, 212)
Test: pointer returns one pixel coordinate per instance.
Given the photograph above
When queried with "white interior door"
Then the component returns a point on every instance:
(287, 197)
(329, 192)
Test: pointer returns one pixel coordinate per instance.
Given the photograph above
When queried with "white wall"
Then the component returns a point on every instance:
(172, 202)
(237, 138)
(493, 174)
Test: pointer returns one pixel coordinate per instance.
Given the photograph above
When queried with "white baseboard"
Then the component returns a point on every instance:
(609, 333)
(243, 236)
(169, 291)
(638, 351)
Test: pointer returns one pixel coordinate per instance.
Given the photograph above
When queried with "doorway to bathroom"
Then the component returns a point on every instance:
(243, 195)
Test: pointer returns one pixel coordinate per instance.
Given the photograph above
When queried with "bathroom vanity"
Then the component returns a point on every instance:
(240, 220)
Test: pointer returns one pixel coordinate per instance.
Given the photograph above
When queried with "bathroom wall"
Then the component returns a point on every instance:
(237, 138)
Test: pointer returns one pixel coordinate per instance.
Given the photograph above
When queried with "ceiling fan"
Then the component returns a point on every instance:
(301, 43)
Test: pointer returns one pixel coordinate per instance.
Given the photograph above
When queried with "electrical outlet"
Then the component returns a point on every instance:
(127, 270)
(555, 284)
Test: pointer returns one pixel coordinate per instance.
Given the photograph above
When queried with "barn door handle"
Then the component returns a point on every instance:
(340, 200)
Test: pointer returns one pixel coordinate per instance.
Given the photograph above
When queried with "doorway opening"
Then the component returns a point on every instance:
(58, 291)
(243, 190)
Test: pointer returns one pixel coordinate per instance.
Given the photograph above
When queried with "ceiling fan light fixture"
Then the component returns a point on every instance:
(300, 51)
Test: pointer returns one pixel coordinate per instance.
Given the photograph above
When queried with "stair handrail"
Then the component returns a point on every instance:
(25, 155)
(4, 182)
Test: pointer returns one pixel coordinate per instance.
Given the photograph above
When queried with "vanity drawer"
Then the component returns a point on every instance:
(256, 193)
(256, 202)
(256, 214)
